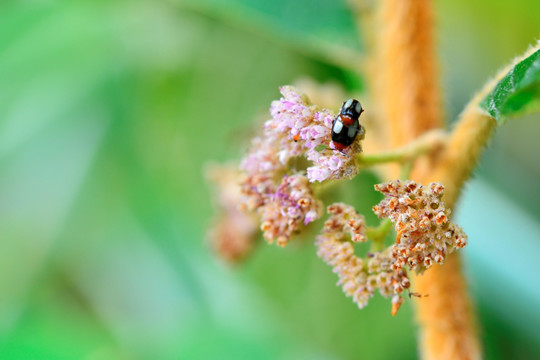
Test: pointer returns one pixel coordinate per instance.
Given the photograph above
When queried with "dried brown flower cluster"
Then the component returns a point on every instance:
(424, 233)
(345, 220)
(359, 278)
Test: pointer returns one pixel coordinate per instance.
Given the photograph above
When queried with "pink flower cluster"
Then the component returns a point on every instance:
(292, 205)
(424, 233)
(298, 128)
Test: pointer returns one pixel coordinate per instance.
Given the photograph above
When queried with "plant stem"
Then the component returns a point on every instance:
(425, 143)
(466, 143)
(378, 234)
(407, 94)
(406, 169)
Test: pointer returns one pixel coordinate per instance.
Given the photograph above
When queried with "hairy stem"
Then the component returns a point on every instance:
(408, 97)
(447, 331)
(405, 76)
(465, 144)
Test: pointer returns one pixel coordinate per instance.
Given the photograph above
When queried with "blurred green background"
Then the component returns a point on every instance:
(110, 109)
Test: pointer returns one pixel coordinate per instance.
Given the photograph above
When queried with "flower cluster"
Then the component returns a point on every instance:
(291, 205)
(296, 129)
(233, 232)
(345, 220)
(424, 233)
(299, 128)
(276, 185)
(358, 277)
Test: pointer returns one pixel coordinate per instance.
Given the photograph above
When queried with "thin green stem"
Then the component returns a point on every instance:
(382, 158)
(426, 143)
(406, 169)
(378, 234)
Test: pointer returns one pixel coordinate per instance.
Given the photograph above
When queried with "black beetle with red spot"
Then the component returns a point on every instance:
(346, 126)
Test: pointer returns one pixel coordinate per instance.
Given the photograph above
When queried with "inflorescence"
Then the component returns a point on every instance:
(424, 233)
(296, 129)
(233, 230)
(274, 185)
(358, 277)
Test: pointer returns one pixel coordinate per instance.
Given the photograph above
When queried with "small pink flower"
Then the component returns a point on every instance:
(318, 131)
(324, 117)
(310, 217)
(317, 173)
(283, 156)
(334, 163)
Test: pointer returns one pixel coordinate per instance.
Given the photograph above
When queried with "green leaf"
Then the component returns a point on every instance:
(323, 29)
(518, 92)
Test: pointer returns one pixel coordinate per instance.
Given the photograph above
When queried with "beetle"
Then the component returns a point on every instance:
(346, 126)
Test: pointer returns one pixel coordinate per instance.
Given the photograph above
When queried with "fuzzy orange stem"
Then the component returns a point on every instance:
(447, 322)
(463, 149)
(445, 314)
(408, 96)
(407, 81)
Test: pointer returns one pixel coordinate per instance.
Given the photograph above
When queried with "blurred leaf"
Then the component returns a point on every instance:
(53, 120)
(324, 29)
(58, 324)
(518, 92)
